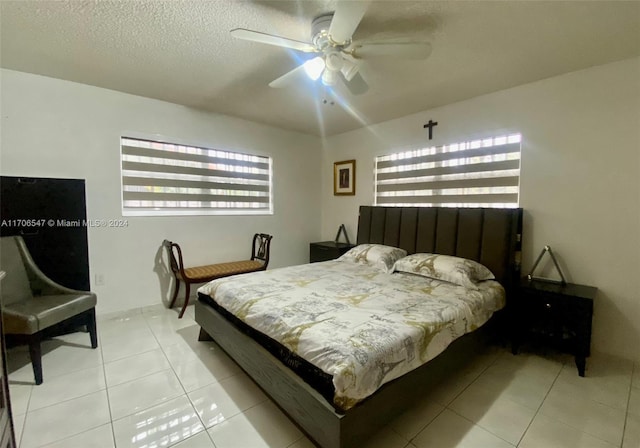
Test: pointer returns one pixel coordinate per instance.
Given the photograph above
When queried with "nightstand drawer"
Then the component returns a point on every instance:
(557, 315)
(571, 310)
(543, 303)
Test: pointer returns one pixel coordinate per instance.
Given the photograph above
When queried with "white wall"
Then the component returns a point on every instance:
(580, 181)
(54, 128)
(580, 178)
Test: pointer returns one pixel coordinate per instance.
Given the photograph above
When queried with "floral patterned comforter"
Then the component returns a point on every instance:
(358, 324)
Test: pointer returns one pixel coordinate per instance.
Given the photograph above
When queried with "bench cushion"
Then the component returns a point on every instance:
(35, 314)
(211, 271)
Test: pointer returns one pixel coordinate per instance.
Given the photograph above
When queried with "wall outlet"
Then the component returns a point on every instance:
(99, 280)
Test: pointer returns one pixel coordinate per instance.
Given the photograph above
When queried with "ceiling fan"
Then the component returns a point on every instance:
(338, 57)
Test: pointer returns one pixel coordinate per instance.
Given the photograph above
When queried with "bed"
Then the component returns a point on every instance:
(330, 416)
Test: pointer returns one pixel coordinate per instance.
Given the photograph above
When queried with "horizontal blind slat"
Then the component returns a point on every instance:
(456, 169)
(177, 183)
(439, 157)
(150, 167)
(163, 154)
(511, 181)
(194, 211)
(205, 206)
(453, 198)
(176, 197)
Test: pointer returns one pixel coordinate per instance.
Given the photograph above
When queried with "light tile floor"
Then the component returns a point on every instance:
(150, 383)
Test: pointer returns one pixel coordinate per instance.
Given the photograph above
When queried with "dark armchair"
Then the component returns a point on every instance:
(200, 274)
(33, 303)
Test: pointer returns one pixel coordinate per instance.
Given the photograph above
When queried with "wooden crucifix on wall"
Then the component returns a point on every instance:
(430, 125)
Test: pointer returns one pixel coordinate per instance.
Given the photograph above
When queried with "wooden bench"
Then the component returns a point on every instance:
(202, 274)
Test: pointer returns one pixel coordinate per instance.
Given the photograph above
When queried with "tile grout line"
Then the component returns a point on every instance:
(71, 436)
(67, 400)
(104, 371)
(26, 413)
(113, 432)
(186, 394)
(446, 407)
(30, 411)
(536, 413)
(482, 427)
(425, 426)
(49, 377)
(471, 382)
(267, 399)
(104, 367)
(540, 405)
(106, 389)
(581, 430)
(64, 401)
(626, 414)
(143, 376)
(468, 385)
(294, 442)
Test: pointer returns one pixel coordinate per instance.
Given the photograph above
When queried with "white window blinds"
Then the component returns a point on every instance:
(481, 173)
(169, 179)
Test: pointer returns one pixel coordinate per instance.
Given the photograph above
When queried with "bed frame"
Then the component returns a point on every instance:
(490, 236)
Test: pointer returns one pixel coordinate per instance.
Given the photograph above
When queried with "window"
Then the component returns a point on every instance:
(481, 173)
(169, 179)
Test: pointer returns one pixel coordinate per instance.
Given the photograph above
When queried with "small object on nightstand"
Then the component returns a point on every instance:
(558, 314)
(342, 229)
(327, 250)
(546, 249)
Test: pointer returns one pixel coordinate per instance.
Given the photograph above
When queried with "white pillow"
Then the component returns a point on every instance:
(459, 271)
(383, 257)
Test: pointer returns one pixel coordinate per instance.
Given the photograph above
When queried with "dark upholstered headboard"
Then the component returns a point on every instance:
(490, 236)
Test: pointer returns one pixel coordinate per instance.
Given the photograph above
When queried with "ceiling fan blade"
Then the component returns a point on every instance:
(357, 85)
(264, 38)
(346, 19)
(401, 50)
(289, 78)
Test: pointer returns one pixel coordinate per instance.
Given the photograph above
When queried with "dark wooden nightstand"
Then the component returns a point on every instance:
(555, 314)
(327, 250)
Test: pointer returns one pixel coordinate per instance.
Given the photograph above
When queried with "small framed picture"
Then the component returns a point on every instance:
(344, 178)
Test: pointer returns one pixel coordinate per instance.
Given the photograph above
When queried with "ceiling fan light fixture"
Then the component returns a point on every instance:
(314, 67)
(349, 69)
(329, 78)
(334, 61)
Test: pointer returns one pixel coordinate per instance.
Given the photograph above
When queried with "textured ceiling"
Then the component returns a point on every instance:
(182, 52)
